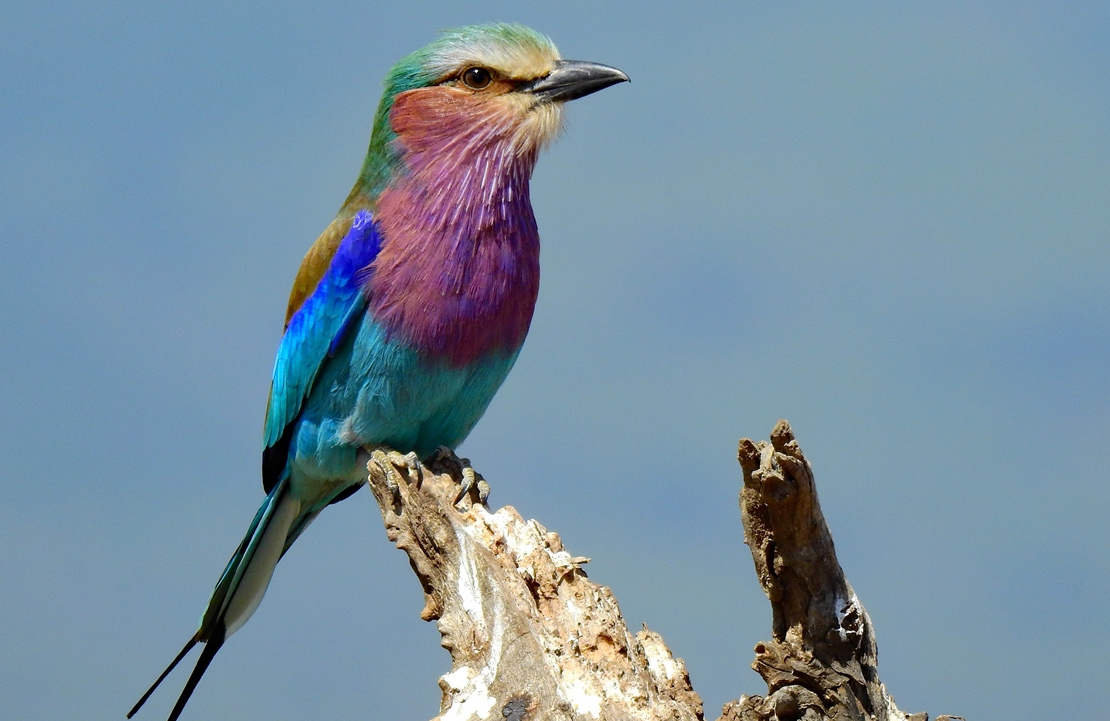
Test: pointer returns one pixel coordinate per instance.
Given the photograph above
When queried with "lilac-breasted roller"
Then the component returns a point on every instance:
(411, 307)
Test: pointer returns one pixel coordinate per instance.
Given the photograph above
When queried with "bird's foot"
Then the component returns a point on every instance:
(389, 461)
(471, 482)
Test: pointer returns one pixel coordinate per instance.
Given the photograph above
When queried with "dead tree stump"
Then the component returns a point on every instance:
(530, 636)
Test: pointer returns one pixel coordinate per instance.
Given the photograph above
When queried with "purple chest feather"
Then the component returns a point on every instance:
(458, 273)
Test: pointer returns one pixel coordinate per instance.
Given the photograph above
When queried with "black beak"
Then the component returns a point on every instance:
(573, 79)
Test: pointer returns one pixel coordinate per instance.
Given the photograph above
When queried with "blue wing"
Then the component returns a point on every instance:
(312, 336)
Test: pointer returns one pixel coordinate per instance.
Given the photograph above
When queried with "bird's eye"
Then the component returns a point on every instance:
(476, 78)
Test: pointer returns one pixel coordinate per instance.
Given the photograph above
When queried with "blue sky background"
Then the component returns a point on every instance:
(889, 224)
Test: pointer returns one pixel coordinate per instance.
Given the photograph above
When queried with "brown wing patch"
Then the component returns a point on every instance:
(316, 262)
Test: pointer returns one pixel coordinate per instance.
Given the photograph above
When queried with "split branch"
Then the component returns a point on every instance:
(532, 638)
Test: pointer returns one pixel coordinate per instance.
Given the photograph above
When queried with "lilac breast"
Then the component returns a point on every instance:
(458, 273)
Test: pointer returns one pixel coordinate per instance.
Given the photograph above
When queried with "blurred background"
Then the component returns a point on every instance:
(888, 224)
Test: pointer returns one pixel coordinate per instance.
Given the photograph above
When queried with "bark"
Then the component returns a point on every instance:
(532, 638)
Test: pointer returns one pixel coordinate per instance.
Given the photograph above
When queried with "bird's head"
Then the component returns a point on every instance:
(482, 86)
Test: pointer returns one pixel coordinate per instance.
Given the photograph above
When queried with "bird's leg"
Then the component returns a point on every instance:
(469, 479)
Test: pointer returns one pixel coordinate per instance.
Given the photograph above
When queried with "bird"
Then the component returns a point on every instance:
(411, 307)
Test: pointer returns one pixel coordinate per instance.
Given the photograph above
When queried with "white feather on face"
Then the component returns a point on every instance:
(514, 51)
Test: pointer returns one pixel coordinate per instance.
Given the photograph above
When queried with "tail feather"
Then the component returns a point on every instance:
(248, 573)
(240, 588)
(173, 664)
(208, 653)
(303, 520)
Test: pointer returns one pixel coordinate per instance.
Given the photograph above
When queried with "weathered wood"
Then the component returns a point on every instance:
(822, 660)
(530, 636)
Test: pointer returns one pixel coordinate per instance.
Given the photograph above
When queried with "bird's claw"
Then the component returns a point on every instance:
(389, 460)
(470, 481)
